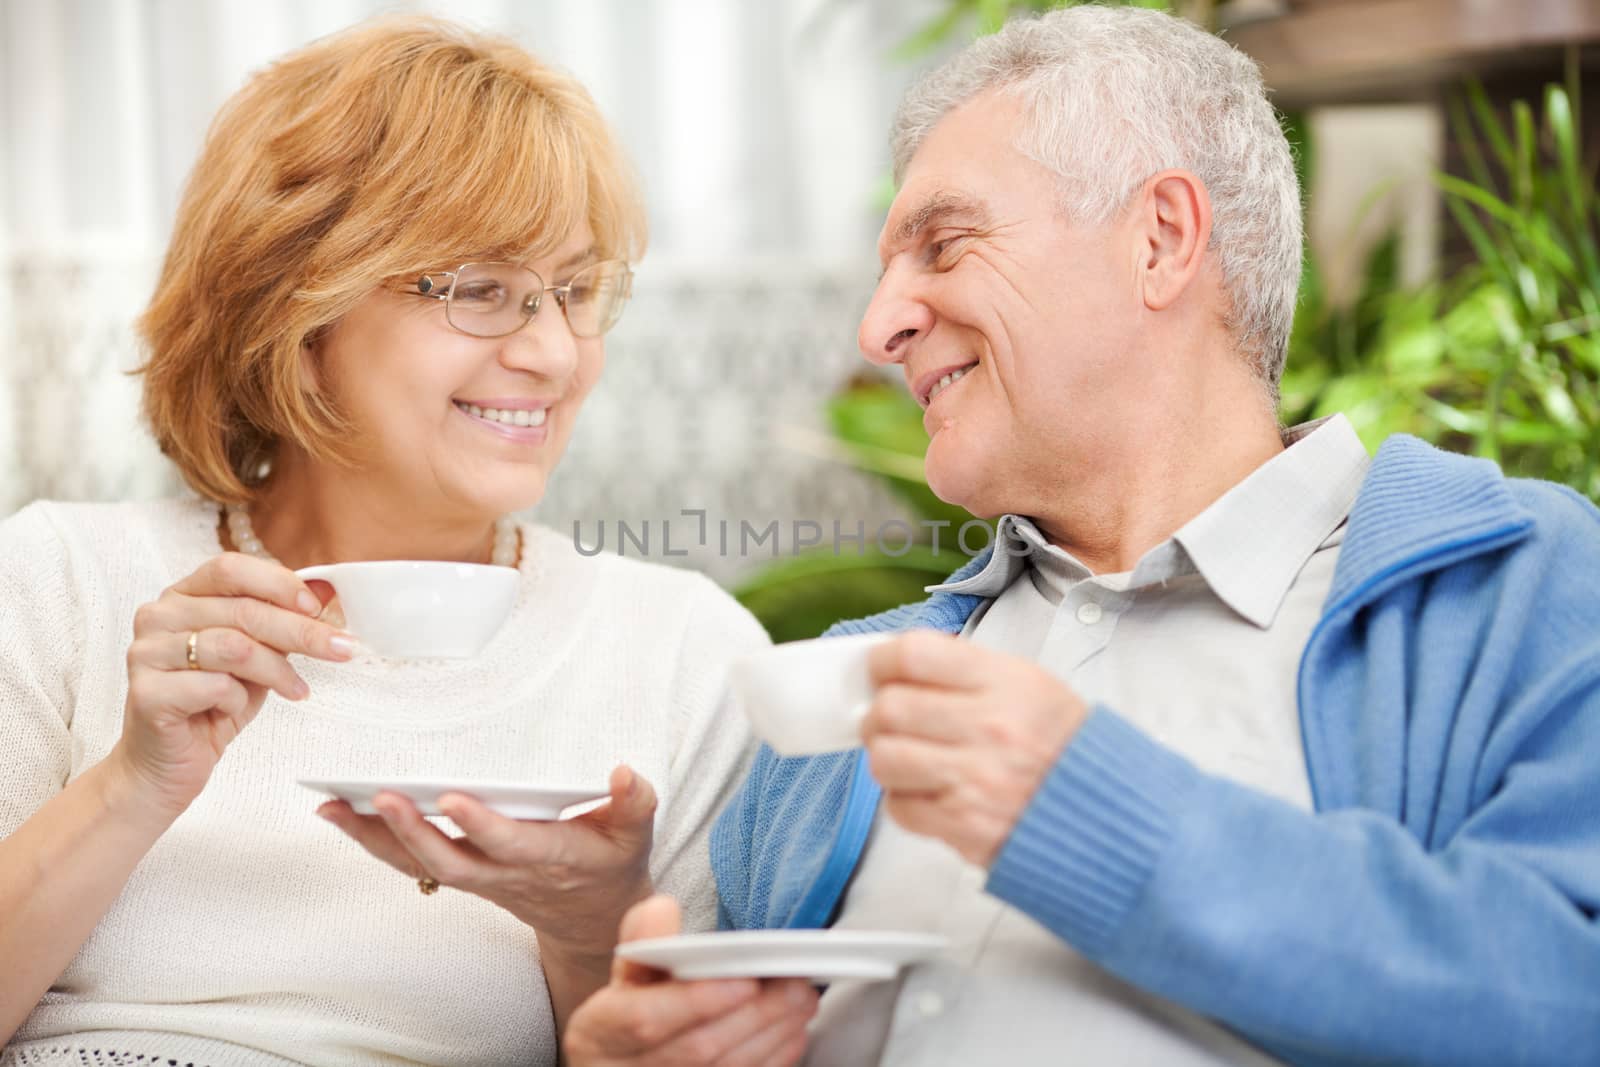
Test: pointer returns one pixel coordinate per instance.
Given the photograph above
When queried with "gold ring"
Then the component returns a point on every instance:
(194, 650)
(429, 886)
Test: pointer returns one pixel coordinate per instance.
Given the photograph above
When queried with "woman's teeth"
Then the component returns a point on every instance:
(506, 417)
(943, 383)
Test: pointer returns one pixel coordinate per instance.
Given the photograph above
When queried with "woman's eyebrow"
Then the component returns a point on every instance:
(577, 258)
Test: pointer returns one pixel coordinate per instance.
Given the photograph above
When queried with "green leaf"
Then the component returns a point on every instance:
(1559, 405)
(1527, 143)
(1489, 123)
(880, 427)
(1522, 432)
(1467, 139)
(1417, 349)
(1488, 251)
(1558, 116)
(880, 416)
(934, 33)
(992, 15)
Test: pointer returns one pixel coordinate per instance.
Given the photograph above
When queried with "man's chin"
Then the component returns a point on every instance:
(958, 482)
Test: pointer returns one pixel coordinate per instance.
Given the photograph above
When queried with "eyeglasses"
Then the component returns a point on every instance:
(496, 299)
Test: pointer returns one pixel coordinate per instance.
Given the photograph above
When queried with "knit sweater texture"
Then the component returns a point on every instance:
(254, 933)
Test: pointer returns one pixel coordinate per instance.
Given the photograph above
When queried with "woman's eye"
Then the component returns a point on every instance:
(481, 293)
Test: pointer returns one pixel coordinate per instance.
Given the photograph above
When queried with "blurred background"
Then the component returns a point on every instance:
(1452, 286)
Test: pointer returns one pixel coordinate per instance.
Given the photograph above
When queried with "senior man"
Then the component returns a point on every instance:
(1240, 747)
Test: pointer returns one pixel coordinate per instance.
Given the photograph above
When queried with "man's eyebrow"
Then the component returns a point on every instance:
(940, 208)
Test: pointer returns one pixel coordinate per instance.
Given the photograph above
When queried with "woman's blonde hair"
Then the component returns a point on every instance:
(393, 148)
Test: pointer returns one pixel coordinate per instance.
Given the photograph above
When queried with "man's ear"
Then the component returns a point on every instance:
(1175, 228)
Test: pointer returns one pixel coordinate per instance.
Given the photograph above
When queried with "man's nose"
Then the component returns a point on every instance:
(894, 320)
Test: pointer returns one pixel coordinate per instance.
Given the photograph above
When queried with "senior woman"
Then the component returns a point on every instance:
(381, 312)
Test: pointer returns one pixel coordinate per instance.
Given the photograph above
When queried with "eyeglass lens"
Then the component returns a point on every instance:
(494, 299)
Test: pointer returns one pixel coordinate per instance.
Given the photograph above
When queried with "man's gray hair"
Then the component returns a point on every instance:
(1112, 96)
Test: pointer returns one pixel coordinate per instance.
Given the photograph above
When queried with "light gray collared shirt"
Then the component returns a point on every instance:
(1199, 645)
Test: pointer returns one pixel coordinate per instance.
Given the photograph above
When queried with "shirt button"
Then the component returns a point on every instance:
(930, 1004)
(1089, 613)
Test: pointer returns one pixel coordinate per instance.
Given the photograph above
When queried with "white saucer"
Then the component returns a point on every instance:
(820, 955)
(514, 800)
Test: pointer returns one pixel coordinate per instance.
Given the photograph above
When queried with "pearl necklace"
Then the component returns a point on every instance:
(505, 552)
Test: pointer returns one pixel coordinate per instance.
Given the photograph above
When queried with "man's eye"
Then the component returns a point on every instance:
(943, 254)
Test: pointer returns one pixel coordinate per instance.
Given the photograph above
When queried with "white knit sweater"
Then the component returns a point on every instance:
(256, 933)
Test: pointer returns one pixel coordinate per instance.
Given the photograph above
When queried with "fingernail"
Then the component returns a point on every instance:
(343, 645)
(308, 603)
(300, 690)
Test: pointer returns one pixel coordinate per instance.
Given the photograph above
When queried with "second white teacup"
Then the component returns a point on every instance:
(807, 697)
(421, 609)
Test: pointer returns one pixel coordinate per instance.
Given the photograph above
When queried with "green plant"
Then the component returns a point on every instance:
(876, 429)
(1500, 358)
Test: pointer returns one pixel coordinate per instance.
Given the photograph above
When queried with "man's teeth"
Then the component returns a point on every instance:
(944, 383)
(508, 417)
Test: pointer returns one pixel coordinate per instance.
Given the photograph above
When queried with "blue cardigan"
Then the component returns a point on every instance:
(1438, 906)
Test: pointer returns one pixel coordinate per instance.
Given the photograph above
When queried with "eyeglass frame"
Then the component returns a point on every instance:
(561, 291)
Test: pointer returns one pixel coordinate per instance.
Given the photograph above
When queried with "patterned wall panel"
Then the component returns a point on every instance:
(711, 379)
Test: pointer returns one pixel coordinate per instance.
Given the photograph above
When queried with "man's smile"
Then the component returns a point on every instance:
(931, 385)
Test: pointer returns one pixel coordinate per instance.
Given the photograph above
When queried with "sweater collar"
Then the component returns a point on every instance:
(1249, 545)
(1418, 503)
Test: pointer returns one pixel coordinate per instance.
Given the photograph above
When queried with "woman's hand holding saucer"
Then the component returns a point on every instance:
(204, 655)
(571, 880)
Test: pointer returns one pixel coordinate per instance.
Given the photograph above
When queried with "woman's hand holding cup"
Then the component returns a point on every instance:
(204, 655)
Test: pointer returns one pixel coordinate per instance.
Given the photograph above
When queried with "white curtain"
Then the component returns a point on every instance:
(759, 128)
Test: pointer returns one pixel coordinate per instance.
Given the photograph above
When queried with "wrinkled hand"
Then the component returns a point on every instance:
(248, 614)
(960, 737)
(644, 1017)
(570, 880)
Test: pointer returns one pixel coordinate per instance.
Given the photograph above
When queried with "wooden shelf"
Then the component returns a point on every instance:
(1356, 51)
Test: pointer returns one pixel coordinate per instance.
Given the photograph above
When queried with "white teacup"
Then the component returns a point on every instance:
(807, 697)
(420, 609)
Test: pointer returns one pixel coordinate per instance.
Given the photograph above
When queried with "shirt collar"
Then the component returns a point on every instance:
(1009, 559)
(1249, 544)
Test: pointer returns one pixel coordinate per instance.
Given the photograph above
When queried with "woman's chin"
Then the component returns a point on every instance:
(511, 495)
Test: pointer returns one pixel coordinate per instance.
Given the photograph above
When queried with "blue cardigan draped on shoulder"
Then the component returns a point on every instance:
(1438, 905)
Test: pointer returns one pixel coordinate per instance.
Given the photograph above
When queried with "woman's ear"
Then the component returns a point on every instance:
(311, 360)
(1176, 229)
